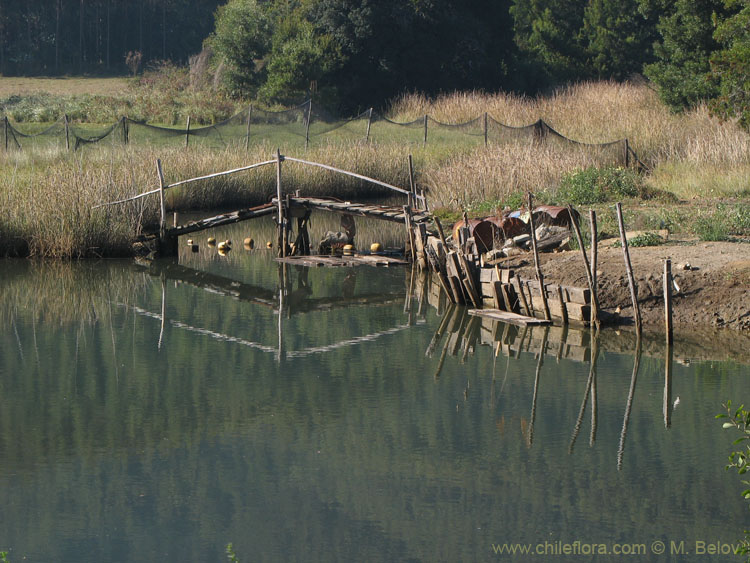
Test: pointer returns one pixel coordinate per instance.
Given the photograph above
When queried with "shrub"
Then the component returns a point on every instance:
(598, 185)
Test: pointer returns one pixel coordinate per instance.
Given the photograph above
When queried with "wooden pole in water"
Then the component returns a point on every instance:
(410, 233)
(369, 123)
(628, 267)
(247, 133)
(280, 213)
(594, 261)
(668, 299)
(187, 132)
(539, 276)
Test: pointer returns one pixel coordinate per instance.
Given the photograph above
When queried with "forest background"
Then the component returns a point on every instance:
(355, 54)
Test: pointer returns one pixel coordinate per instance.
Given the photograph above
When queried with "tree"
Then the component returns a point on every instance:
(730, 67)
(618, 38)
(682, 56)
(549, 32)
(242, 38)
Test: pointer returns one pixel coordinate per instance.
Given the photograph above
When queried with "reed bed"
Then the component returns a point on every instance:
(47, 195)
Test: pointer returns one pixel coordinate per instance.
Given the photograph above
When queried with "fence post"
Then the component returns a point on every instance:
(369, 123)
(485, 128)
(67, 132)
(125, 130)
(425, 129)
(307, 125)
(247, 135)
(5, 125)
(187, 132)
(627, 153)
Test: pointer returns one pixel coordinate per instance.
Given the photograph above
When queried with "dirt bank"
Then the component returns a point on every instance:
(713, 277)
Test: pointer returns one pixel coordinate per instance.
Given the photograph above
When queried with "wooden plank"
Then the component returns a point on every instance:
(580, 295)
(508, 317)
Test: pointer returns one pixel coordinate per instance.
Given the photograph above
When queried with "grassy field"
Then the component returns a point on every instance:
(699, 168)
(62, 86)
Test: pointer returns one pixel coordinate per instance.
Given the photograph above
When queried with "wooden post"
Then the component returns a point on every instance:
(247, 133)
(187, 132)
(410, 232)
(485, 128)
(280, 213)
(425, 129)
(67, 132)
(412, 187)
(539, 276)
(369, 123)
(668, 299)
(174, 219)
(5, 124)
(307, 125)
(563, 308)
(594, 263)
(628, 267)
(162, 204)
(125, 130)
(589, 273)
(441, 234)
(627, 153)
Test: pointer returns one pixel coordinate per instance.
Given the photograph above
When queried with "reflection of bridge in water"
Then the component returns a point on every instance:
(458, 334)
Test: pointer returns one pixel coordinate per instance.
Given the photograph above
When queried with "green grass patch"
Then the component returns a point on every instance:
(599, 185)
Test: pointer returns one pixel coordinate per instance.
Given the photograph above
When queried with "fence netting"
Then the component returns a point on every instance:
(302, 126)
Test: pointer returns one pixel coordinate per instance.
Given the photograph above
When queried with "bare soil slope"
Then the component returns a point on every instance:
(713, 277)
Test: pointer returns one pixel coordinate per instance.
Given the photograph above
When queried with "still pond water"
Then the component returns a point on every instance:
(159, 415)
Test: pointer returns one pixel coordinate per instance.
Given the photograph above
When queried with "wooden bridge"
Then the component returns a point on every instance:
(285, 207)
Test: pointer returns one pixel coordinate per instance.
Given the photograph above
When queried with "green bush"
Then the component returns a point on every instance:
(598, 185)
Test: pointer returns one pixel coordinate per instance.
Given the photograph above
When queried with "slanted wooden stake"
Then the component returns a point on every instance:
(668, 299)
(412, 186)
(589, 273)
(628, 267)
(425, 129)
(67, 132)
(410, 232)
(594, 258)
(539, 276)
(307, 125)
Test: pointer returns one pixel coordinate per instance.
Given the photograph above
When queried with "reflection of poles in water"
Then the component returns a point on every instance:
(349, 283)
(18, 338)
(440, 331)
(470, 334)
(589, 384)
(112, 326)
(280, 351)
(539, 363)
(626, 419)
(668, 386)
(594, 407)
(450, 315)
(163, 308)
(409, 293)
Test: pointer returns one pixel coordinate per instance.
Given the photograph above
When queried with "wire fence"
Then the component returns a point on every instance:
(303, 125)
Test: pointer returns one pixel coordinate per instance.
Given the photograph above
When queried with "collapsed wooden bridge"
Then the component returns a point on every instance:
(459, 267)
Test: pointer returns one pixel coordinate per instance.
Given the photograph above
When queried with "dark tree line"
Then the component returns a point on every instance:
(361, 53)
(53, 37)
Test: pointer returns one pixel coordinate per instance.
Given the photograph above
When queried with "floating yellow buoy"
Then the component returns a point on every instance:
(249, 243)
(269, 245)
(376, 247)
(211, 241)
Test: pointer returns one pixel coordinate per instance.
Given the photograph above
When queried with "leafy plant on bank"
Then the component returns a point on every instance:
(598, 185)
(739, 419)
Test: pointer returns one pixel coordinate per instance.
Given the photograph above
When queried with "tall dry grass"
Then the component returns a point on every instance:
(47, 196)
